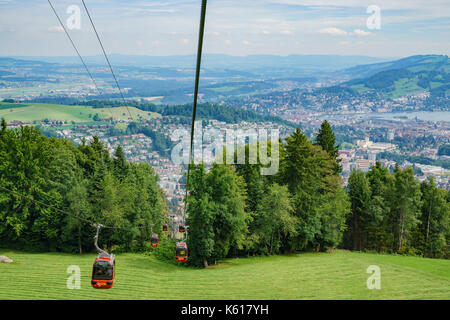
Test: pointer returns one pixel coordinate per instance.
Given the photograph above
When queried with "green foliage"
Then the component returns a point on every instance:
(327, 140)
(404, 204)
(273, 219)
(307, 170)
(204, 111)
(434, 228)
(51, 177)
(200, 218)
(216, 215)
(164, 252)
(392, 213)
(359, 194)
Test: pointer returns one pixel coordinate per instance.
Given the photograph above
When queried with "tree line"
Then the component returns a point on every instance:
(232, 210)
(205, 111)
(48, 178)
(235, 211)
(393, 212)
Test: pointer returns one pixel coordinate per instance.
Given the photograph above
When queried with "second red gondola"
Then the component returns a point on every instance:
(155, 240)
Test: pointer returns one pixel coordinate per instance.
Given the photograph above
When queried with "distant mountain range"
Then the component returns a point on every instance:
(423, 73)
(225, 76)
(253, 63)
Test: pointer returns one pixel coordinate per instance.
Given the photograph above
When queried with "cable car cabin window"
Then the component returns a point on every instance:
(154, 240)
(103, 270)
(181, 252)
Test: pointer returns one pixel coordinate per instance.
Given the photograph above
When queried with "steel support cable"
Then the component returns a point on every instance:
(107, 59)
(95, 84)
(75, 47)
(197, 80)
(79, 55)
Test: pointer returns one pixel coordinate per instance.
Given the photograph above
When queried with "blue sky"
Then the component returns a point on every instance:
(280, 27)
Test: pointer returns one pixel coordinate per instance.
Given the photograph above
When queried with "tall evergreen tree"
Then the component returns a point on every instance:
(305, 169)
(359, 194)
(327, 140)
(404, 204)
(120, 164)
(434, 227)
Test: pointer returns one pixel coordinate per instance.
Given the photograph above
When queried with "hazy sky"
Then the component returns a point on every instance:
(281, 27)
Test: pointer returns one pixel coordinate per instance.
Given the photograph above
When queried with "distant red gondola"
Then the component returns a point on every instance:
(155, 240)
(181, 252)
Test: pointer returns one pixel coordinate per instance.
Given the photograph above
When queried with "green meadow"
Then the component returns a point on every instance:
(79, 114)
(336, 275)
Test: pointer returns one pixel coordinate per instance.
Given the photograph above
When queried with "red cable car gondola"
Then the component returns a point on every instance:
(155, 240)
(104, 272)
(165, 228)
(181, 228)
(104, 268)
(181, 252)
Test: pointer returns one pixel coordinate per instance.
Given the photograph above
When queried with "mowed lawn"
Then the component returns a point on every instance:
(40, 111)
(337, 275)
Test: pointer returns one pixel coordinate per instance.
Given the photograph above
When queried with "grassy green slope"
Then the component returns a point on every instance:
(79, 114)
(338, 275)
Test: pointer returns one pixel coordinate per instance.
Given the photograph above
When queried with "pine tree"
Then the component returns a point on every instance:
(327, 140)
(305, 168)
(404, 205)
(359, 194)
(120, 164)
(434, 218)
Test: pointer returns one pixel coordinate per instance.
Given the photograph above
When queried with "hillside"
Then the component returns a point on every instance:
(337, 275)
(409, 76)
(29, 112)
(439, 63)
(222, 61)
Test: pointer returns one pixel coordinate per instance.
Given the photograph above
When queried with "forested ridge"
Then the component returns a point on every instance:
(205, 111)
(232, 210)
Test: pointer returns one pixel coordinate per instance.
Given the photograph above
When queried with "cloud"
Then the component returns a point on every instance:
(333, 31)
(228, 42)
(184, 41)
(287, 32)
(246, 42)
(361, 33)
